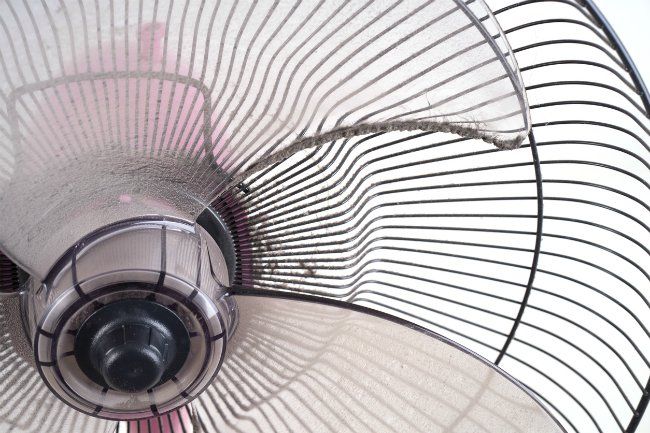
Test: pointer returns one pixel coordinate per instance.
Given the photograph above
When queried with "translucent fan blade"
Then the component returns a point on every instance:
(115, 110)
(296, 366)
(26, 404)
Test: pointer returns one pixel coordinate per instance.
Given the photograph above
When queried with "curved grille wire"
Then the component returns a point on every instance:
(9, 279)
(177, 97)
(458, 237)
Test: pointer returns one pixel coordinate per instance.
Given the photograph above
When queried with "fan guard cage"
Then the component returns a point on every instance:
(534, 258)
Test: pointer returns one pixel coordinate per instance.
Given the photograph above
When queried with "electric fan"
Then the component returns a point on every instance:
(321, 216)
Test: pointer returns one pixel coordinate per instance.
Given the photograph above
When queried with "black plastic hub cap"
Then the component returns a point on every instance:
(132, 345)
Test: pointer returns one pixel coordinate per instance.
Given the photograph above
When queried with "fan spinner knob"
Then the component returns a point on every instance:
(132, 345)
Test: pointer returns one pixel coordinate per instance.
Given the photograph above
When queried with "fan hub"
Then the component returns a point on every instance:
(132, 345)
(133, 320)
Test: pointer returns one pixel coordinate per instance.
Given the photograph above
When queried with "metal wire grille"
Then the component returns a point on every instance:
(534, 258)
(8, 275)
(176, 98)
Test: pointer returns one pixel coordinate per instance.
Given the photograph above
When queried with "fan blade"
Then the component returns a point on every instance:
(109, 112)
(323, 366)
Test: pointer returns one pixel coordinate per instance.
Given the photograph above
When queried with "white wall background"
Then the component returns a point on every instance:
(631, 21)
